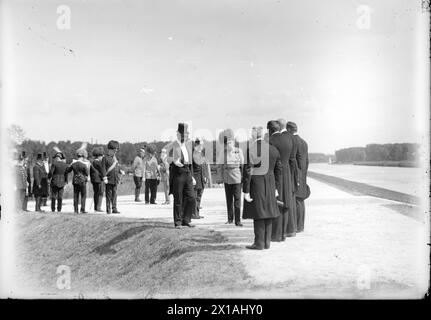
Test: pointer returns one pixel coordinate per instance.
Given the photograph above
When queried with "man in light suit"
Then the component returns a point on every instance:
(182, 179)
(303, 191)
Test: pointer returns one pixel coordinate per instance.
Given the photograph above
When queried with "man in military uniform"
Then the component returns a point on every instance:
(96, 178)
(20, 181)
(57, 174)
(303, 191)
(182, 178)
(111, 176)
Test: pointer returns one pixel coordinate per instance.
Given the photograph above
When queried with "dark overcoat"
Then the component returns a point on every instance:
(261, 177)
(113, 175)
(57, 173)
(96, 171)
(303, 190)
(40, 180)
(285, 146)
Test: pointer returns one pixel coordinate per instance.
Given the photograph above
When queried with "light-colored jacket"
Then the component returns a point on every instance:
(151, 168)
(230, 171)
(138, 167)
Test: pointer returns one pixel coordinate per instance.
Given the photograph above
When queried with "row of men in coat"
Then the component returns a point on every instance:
(274, 185)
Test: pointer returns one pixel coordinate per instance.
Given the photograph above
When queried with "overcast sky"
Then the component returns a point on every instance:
(129, 70)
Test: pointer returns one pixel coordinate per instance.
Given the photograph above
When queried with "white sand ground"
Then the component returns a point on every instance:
(352, 247)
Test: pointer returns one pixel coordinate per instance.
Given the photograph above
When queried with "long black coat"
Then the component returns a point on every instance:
(303, 190)
(261, 179)
(285, 146)
(40, 182)
(96, 171)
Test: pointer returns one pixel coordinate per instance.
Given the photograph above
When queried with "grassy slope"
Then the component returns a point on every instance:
(138, 257)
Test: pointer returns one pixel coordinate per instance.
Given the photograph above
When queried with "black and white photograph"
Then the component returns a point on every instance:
(202, 149)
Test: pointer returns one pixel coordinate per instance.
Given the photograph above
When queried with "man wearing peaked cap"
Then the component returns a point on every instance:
(182, 179)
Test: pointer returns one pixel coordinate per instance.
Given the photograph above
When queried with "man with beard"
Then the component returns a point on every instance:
(182, 178)
(303, 190)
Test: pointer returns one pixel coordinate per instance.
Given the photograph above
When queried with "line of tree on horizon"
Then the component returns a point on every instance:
(379, 152)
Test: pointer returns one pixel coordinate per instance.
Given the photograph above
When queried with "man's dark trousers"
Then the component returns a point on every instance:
(111, 197)
(97, 195)
(184, 196)
(262, 233)
(150, 189)
(79, 189)
(57, 195)
(138, 186)
(233, 201)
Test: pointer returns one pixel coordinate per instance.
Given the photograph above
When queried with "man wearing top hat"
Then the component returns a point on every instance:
(57, 174)
(182, 178)
(111, 176)
(303, 191)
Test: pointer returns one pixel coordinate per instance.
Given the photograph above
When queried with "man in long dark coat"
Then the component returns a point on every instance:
(303, 190)
(200, 174)
(262, 177)
(285, 225)
(40, 182)
(182, 180)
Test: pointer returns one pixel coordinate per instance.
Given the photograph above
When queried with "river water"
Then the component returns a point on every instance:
(406, 180)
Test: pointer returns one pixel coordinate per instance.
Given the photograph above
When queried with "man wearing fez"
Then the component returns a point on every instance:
(57, 174)
(40, 182)
(285, 225)
(303, 190)
(182, 178)
(261, 186)
(111, 176)
(96, 178)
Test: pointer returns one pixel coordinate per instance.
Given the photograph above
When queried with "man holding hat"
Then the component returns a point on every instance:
(111, 176)
(303, 190)
(182, 178)
(57, 174)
